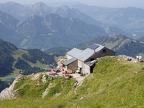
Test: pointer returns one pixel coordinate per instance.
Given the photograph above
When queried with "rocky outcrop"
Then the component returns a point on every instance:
(9, 93)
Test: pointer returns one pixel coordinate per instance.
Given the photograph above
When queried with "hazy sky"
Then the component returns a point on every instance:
(103, 3)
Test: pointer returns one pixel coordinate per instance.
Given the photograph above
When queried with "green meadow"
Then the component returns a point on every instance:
(114, 83)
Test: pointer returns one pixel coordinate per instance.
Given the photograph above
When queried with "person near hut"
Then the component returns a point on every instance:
(75, 84)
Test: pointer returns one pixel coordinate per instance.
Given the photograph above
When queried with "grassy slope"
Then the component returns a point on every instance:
(114, 84)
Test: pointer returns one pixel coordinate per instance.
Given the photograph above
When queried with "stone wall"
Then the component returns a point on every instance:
(73, 66)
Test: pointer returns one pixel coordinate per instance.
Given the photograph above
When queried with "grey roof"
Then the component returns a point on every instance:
(69, 61)
(93, 46)
(74, 52)
(86, 54)
(99, 48)
(96, 47)
(91, 62)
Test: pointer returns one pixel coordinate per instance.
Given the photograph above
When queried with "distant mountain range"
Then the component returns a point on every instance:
(22, 12)
(43, 27)
(54, 31)
(7, 26)
(49, 31)
(129, 19)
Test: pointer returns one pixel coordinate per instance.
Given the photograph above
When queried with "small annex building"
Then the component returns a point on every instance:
(84, 60)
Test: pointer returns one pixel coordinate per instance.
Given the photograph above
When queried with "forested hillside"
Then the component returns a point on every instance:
(17, 60)
(6, 59)
(58, 51)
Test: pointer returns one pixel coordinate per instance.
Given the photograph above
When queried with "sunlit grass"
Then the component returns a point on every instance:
(113, 84)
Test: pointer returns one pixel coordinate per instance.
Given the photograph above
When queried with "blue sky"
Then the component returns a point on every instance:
(103, 3)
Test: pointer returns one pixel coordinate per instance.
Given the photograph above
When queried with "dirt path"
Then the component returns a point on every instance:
(79, 79)
(46, 90)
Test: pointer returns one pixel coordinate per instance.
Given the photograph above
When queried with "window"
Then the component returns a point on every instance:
(91, 59)
(104, 50)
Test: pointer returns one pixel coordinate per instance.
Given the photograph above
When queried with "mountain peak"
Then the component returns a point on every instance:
(65, 8)
(39, 6)
(12, 4)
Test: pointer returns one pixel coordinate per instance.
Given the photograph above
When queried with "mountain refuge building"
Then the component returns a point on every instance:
(84, 60)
